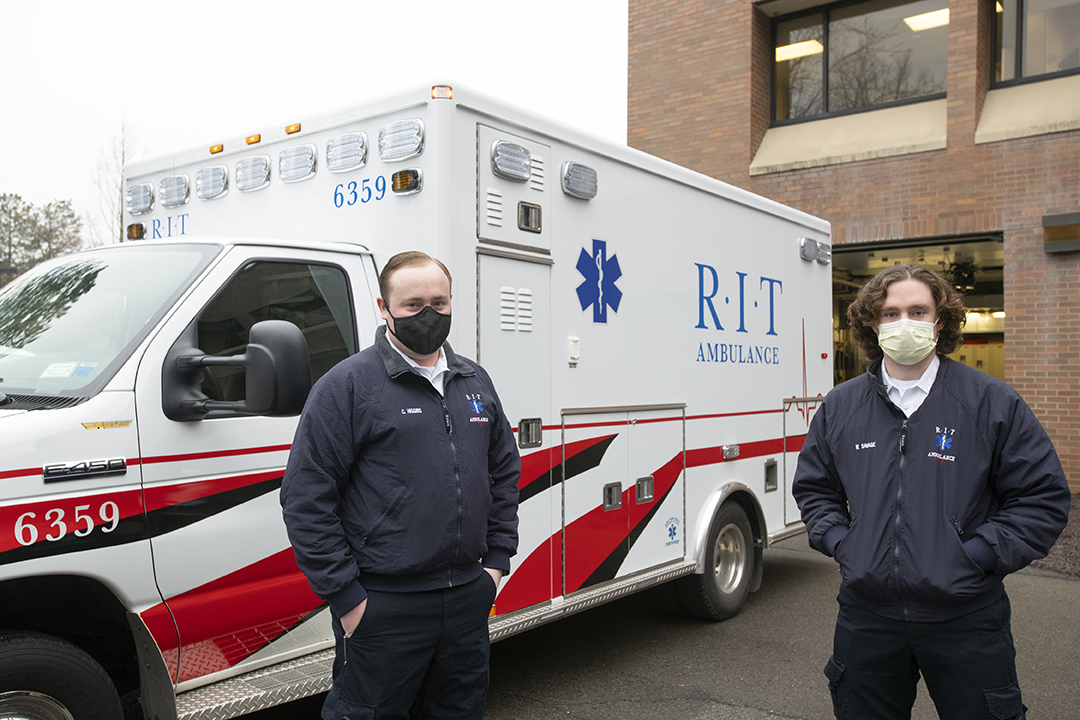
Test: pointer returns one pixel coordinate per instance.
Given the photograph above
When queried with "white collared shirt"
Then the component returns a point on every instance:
(435, 375)
(908, 395)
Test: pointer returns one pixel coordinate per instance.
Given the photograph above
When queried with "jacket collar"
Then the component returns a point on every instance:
(396, 366)
(876, 375)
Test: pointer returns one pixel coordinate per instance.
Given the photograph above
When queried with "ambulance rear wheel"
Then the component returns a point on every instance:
(45, 678)
(720, 592)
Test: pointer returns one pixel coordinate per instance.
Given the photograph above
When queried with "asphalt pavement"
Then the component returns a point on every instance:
(634, 659)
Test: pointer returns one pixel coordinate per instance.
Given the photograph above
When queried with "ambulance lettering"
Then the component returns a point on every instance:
(708, 318)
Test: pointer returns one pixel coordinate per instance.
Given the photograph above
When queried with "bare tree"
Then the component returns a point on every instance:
(106, 226)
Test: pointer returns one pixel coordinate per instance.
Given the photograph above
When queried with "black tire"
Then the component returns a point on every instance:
(720, 592)
(45, 678)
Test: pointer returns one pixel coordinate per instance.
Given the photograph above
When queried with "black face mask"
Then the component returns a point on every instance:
(424, 332)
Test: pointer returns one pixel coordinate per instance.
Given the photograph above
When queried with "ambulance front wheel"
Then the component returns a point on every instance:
(720, 592)
(44, 678)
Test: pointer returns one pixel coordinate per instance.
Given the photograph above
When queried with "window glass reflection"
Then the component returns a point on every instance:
(1051, 36)
(798, 67)
(882, 52)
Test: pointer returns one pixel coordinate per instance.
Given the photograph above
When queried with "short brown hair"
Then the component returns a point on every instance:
(863, 313)
(409, 258)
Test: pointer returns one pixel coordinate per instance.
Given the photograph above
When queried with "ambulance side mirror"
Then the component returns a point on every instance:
(277, 374)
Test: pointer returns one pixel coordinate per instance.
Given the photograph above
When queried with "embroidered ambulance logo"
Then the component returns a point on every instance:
(478, 408)
(600, 273)
(942, 444)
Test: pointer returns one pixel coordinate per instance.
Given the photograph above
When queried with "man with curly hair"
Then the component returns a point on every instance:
(928, 482)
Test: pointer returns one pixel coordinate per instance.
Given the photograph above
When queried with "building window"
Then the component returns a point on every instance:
(857, 57)
(1036, 38)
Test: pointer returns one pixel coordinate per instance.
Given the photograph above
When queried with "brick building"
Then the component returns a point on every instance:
(954, 142)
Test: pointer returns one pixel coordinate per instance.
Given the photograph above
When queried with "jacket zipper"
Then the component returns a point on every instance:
(896, 521)
(457, 490)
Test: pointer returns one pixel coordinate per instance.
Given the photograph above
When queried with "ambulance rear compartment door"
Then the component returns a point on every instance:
(514, 346)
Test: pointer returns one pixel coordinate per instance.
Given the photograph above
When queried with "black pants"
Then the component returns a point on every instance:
(968, 663)
(415, 655)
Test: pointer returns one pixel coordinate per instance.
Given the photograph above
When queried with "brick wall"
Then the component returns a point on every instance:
(698, 76)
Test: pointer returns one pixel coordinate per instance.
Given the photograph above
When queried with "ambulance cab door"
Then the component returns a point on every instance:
(222, 559)
(514, 346)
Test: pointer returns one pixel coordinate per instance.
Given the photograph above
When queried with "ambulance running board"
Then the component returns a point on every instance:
(259, 689)
(512, 623)
(310, 674)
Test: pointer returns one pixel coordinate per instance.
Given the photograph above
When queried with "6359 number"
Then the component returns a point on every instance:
(56, 525)
(363, 192)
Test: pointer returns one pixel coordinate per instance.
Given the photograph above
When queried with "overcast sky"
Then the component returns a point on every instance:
(186, 73)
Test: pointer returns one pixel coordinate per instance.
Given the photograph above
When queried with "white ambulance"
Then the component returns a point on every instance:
(659, 340)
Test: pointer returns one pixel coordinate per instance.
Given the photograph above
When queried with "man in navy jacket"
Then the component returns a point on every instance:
(400, 499)
(928, 482)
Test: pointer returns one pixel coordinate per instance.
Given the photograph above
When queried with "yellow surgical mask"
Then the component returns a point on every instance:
(907, 341)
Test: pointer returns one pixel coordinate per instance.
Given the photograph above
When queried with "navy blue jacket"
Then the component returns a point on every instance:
(391, 487)
(926, 515)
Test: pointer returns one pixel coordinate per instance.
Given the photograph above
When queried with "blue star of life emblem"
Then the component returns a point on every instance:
(671, 532)
(600, 273)
(477, 406)
(943, 442)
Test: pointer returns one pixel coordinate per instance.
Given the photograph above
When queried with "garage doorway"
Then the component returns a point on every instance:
(974, 263)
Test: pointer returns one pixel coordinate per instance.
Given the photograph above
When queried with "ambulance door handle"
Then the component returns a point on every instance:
(530, 433)
(613, 496)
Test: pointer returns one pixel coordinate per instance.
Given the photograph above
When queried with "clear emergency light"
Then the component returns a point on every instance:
(824, 253)
(401, 140)
(346, 152)
(212, 182)
(253, 173)
(175, 190)
(139, 198)
(511, 161)
(811, 250)
(297, 163)
(579, 181)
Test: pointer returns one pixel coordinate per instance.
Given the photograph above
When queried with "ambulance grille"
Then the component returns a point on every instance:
(494, 207)
(538, 180)
(516, 310)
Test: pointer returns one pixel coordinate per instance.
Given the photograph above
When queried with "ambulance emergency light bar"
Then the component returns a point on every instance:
(139, 198)
(401, 140)
(297, 163)
(175, 191)
(811, 250)
(212, 182)
(579, 181)
(253, 173)
(346, 152)
(511, 161)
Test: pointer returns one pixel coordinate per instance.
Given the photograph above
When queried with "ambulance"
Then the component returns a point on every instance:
(659, 340)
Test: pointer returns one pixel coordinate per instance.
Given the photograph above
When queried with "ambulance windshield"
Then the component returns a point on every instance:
(67, 325)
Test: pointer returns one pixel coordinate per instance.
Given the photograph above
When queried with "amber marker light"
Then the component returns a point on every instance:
(252, 139)
(291, 129)
(215, 149)
(407, 182)
(442, 92)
